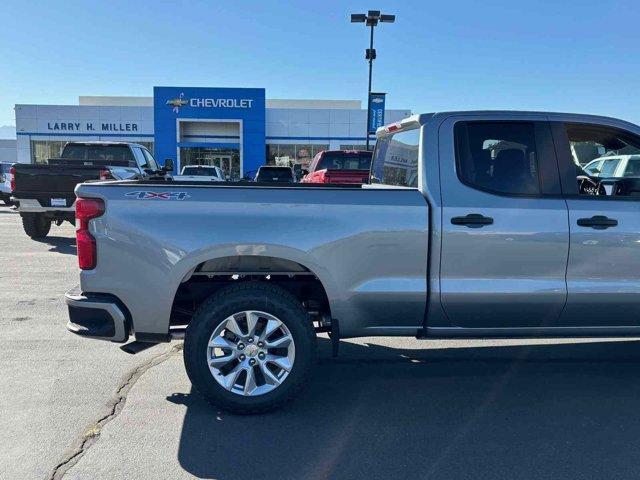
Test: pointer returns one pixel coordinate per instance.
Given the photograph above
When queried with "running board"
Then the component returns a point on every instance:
(527, 332)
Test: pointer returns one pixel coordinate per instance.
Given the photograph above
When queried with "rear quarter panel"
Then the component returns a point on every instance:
(368, 247)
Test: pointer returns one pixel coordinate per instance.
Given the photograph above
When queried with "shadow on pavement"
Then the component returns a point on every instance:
(65, 245)
(508, 412)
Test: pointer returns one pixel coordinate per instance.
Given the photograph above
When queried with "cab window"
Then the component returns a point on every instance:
(633, 167)
(613, 148)
(498, 157)
(593, 168)
(150, 161)
(395, 160)
(140, 160)
(608, 168)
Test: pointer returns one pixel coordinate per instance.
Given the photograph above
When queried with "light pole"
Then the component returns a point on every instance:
(371, 19)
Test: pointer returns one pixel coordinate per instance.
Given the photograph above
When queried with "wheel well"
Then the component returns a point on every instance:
(211, 275)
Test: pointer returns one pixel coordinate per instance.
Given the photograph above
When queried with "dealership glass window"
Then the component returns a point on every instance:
(42, 150)
(319, 148)
(147, 145)
(272, 153)
(286, 154)
(292, 154)
(303, 154)
(361, 146)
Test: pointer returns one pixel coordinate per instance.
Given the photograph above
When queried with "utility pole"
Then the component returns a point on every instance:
(371, 20)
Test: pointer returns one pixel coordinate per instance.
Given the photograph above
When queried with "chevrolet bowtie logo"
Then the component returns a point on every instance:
(176, 103)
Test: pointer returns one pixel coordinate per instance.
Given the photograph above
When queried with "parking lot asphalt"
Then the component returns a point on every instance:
(386, 408)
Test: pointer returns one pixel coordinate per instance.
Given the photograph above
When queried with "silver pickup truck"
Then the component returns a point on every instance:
(475, 224)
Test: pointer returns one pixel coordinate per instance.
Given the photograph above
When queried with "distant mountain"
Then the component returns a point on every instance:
(7, 131)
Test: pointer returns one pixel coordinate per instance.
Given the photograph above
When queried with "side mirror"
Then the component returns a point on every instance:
(168, 165)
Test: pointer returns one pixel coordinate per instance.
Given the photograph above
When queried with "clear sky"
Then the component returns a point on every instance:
(561, 55)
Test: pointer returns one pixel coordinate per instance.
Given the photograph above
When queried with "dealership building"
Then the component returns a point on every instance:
(237, 129)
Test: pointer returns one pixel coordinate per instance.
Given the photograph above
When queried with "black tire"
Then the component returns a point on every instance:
(36, 225)
(237, 298)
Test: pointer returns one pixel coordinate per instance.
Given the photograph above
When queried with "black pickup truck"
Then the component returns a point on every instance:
(44, 192)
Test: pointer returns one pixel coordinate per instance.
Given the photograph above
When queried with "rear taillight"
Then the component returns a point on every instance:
(324, 177)
(105, 175)
(12, 172)
(86, 209)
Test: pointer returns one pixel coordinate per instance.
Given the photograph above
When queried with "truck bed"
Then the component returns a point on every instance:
(351, 238)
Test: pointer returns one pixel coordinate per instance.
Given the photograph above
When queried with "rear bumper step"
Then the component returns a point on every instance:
(98, 316)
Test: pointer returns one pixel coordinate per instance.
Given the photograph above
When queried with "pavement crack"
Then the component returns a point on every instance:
(115, 406)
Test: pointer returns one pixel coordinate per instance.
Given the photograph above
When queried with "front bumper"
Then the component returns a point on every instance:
(97, 315)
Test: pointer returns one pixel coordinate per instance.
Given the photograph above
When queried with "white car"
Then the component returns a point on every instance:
(614, 166)
(200, 173)
(5, 183)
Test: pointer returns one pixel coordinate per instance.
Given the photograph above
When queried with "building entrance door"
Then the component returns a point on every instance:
(224, 162)
(227, 159)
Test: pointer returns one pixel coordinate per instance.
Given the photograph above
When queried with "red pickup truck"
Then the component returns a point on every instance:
(339, 166)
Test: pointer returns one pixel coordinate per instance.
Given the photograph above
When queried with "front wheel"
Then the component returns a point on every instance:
(36, 225)
(249, 348)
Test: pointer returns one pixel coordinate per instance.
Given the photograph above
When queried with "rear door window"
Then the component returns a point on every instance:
(498, 157)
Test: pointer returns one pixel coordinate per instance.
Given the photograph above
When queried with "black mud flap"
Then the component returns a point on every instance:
(334, 335)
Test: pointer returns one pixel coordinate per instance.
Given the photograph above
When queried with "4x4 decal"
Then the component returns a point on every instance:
(146, 195)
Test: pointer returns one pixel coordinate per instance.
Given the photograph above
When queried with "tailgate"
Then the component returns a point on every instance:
(347, 176)
(44, 182)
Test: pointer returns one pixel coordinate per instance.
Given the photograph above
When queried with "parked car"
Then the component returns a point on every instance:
(200, 173)
(614, 166)
(45, 192)
(275, 174)
(339, 166)
(5, 183)
(477, 225)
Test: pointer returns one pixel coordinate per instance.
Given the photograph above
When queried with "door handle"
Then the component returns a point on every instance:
(473, 220)
(598, 222)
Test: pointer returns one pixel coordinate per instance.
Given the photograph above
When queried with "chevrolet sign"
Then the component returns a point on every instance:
(221, 102)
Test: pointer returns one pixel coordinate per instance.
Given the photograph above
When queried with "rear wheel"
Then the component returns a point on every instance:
(249, 348)
(36, 225)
